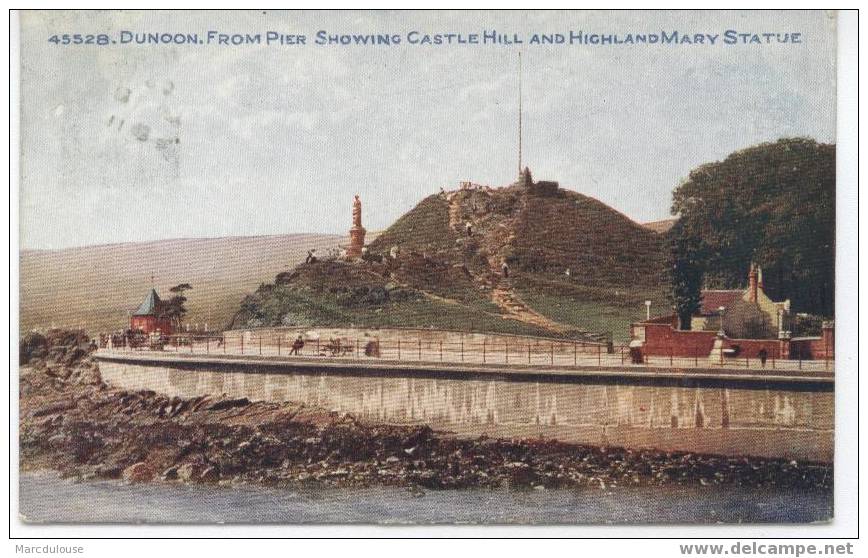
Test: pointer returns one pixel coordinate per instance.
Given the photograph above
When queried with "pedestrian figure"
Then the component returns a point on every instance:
(505, 268)
(763, 355)
(297, 345)
(469, 228)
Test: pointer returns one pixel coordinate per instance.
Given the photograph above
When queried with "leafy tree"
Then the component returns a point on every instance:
(773, 204)
(174, 308)
(684, 270)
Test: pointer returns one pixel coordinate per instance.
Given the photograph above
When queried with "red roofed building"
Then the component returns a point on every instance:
(712, 300)
(747, 313)
(149, 317)
(741, 323)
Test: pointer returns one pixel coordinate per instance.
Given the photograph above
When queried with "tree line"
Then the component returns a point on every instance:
(772, 204)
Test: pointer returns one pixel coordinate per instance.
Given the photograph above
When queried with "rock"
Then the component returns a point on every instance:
(88, 376)
(109, 470)
(210, 474)
(57, 440)
(62, 372)
(74, 355)
(229, 404)
(138, 472)
(187, 472)
(54, 408)
(393, 459)
(31, 346)
(170, 474)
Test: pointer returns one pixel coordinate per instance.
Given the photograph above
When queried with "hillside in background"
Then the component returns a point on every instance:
(663, 226)
(576, 267)
(95, 287)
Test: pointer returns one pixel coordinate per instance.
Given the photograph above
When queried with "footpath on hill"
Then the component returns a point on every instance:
(573, 243)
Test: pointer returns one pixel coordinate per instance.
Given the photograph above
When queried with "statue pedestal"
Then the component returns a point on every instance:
(718, 350)
(357, 242)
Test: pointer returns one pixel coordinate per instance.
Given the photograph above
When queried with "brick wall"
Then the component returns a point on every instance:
(814, 348)
(662, 339)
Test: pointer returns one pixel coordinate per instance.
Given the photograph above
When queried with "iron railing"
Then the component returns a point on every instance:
(503, 350)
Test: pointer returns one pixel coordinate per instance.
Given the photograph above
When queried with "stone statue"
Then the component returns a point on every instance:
(357, 212)
(357, 232)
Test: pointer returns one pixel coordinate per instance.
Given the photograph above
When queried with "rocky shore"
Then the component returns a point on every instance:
(72, 422)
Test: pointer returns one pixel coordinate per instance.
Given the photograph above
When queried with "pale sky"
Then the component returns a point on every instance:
(141, 142)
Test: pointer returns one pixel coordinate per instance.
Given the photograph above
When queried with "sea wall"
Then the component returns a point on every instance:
(765, 419)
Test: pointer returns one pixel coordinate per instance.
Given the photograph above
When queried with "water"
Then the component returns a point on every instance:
(46, 498)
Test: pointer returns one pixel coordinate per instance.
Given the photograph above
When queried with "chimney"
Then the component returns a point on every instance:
(759, 273)
(752, 283)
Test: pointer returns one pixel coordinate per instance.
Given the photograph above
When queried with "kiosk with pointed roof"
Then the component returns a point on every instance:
(149, 317)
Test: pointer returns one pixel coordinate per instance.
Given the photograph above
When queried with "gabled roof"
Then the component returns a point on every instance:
(713, 300)
(149, 305)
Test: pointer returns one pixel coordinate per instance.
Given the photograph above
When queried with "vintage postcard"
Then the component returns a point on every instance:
(386, 267)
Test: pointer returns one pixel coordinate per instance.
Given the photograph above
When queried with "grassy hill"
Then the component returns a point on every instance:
(95, 287)
(344, 294)
(576, 267)
(537, 234)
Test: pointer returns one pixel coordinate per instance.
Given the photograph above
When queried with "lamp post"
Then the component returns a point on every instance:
(647, 309)
(721, 310)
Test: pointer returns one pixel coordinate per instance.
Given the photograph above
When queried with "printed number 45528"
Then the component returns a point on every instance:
(101, 39)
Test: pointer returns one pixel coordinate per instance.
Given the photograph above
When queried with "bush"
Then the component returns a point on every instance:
(292, 319)
(32, 345)
(806, 325)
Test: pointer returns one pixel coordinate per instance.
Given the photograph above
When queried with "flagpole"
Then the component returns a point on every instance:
(519, 114)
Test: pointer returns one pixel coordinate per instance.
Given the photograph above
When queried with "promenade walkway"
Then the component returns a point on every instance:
(504, 352)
